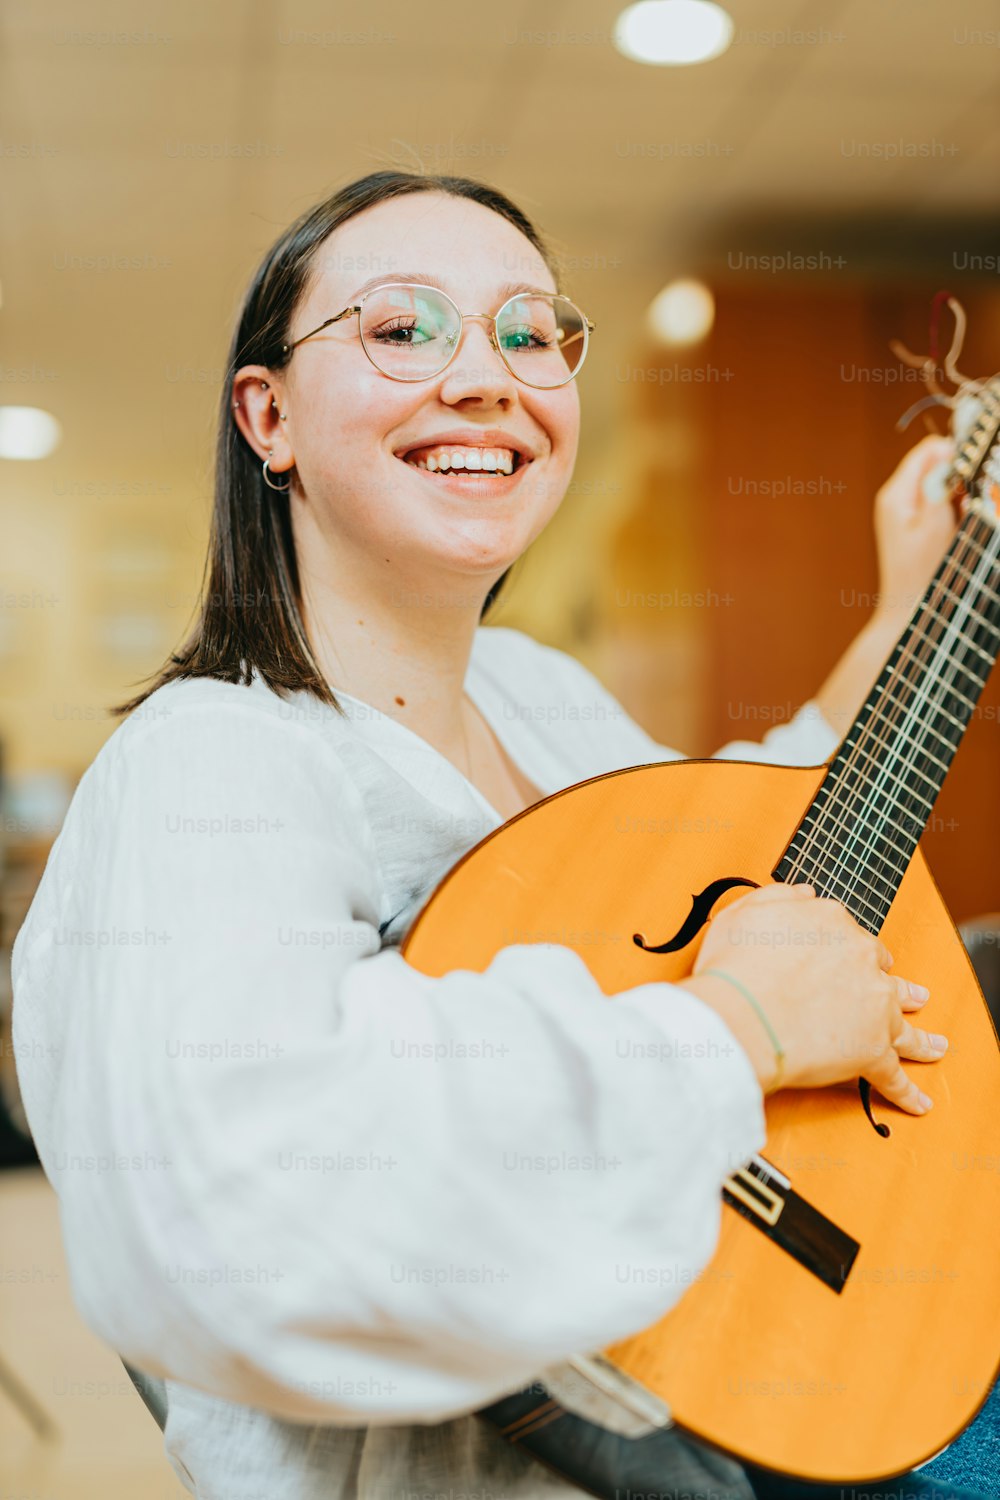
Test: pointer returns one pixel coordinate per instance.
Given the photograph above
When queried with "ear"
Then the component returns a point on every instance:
(257, 397)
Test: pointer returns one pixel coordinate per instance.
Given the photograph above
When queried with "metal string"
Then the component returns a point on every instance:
(867, 736)
(873, 735)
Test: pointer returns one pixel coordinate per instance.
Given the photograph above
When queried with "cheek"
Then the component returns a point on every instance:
(564, 422)
(344, 419)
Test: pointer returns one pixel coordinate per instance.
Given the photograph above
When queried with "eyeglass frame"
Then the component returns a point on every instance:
(588, 329)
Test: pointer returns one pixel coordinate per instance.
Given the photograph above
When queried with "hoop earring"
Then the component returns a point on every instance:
(281, 488)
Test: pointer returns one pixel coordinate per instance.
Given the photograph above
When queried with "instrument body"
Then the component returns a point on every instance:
(763, 1357)
(848, 1326)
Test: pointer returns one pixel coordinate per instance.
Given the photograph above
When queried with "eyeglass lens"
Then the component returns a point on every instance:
(410, 332)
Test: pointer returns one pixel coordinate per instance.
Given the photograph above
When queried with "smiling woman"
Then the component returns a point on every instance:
(371, 1201)
(333, 422)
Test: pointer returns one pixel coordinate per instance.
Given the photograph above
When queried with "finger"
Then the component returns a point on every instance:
(919, 1046)
(892, 1083)
(910, 996)
(885, 958)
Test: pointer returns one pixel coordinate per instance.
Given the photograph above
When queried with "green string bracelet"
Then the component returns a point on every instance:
(779, 1051)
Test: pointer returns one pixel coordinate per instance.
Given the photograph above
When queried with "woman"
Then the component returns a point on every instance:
(326, 1231)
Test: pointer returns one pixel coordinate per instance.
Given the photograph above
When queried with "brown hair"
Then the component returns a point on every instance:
(250, 609)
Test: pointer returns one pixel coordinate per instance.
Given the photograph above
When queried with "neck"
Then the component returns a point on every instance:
(862, 828)
(400, 642)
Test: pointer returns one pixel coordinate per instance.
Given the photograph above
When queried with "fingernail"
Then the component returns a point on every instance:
(939, 1043)
(918, 991)
(925, 1101)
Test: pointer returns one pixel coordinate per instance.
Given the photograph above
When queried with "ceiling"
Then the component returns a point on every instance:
(151, 153)
(179, 140)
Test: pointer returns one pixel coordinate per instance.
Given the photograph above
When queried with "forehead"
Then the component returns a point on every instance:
(471, 252)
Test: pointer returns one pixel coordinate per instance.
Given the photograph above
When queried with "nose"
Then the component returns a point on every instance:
(477, 372)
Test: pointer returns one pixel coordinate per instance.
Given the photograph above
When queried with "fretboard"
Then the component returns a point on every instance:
(858, 836)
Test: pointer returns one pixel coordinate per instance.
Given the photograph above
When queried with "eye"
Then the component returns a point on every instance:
(525, 337)
(405, 332)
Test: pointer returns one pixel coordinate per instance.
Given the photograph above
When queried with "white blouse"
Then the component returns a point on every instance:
(338, 1204)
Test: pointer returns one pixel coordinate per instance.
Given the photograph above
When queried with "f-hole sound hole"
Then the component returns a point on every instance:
(865, 1090)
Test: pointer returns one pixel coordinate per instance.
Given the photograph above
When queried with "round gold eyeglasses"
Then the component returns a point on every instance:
(412, 332)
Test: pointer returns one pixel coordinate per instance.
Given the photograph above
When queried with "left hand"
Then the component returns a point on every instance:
(911, 532)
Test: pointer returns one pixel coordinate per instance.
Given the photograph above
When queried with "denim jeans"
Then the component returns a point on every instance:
(910, 1487)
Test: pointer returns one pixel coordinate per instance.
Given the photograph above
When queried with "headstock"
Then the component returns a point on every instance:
(973, 475)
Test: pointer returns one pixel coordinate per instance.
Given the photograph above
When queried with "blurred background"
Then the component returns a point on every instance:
(800, 198)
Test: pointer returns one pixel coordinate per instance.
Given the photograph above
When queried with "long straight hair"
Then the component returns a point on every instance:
(249, 614)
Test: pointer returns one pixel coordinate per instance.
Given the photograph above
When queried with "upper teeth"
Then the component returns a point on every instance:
(446, 457)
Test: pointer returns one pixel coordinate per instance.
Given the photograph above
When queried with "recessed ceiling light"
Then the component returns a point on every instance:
(673, 32)
(682, 313)
(27, 432)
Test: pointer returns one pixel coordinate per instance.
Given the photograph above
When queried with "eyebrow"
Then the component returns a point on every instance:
(509, 289)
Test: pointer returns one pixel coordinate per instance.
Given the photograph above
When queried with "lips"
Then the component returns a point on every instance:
(453, 445)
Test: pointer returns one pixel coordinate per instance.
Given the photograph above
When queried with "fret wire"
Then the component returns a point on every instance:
(905, 832)
(888, 847)
(853, 767)
(875, 829)
(871, 915)
(898, 659)
(931, 704)
(958, 723)
(873, 761)
(982, 623)
(951, 744)
(932, 758)
(886, 697)
(840, 865)
(872, 874)
(848, 894)
(878, 842)
(971, 539)
(913, 749)
(829, 880)
(854, 899)
(839, 857)
(900, 662)
(983, 587)
(863, 771)
(909, 790)
(961, 666)
(962, 636)
(970, 703)
(892, 803)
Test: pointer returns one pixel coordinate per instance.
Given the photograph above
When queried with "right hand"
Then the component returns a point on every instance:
(821, 980)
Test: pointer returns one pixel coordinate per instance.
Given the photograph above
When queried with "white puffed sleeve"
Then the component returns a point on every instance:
(806, 740)
(598, 734)
(297, 1173)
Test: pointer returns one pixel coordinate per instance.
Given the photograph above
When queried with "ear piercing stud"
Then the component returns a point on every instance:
(282, 415)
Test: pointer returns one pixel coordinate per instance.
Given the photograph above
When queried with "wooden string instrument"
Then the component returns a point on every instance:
(848, 1326)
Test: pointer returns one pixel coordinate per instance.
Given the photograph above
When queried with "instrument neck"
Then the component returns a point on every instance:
(862, 827)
